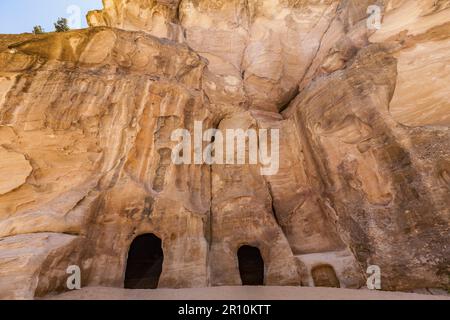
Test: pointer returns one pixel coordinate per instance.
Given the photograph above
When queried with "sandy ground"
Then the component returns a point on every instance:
(240, 293)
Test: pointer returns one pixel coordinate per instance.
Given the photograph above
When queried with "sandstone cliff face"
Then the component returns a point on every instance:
(85, 143)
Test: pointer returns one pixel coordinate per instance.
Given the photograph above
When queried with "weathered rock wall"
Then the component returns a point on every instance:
(86, 119)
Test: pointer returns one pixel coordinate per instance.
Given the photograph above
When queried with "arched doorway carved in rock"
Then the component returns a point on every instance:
(251, 266)
(325, 276)
(144, 262)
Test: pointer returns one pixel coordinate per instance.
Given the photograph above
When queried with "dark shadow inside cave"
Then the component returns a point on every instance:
(251, 266)
(144, 264)
(325, 276)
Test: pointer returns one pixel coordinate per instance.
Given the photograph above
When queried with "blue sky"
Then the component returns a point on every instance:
(18, 16)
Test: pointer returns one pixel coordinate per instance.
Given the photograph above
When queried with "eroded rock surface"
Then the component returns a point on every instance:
(86, 119)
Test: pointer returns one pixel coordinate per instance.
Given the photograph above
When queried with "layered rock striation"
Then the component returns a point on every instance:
(86, 119)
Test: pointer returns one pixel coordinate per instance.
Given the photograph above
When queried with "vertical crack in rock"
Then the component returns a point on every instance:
(317, 50)
(86, 119)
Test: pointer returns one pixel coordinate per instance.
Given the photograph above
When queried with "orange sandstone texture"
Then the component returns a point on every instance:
(86, 119)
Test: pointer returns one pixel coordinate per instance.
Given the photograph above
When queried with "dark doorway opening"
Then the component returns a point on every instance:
(325, 276)
(144, 264)
(251, 266)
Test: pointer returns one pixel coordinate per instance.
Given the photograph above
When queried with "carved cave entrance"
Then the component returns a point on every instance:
(325, 276)
(251, 266)
(144, 264)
